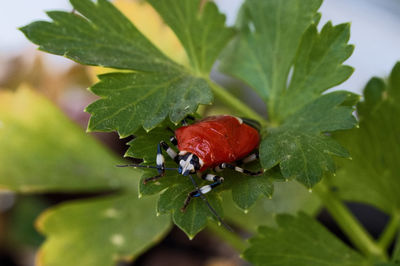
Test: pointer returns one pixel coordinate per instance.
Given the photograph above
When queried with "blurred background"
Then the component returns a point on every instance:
(375, 28)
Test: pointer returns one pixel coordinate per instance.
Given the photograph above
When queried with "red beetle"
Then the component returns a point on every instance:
(216, 140)
(213, 142)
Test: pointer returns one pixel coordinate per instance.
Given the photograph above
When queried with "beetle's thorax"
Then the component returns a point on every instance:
(188, 163)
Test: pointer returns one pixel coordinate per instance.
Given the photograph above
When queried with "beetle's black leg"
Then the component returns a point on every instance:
(212, 178)
(160, 161)
(238, 169)
(218, 180)
(174, 141)
(171, 153)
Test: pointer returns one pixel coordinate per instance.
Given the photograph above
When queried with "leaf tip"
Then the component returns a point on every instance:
(24, 29)
(158, 214)
(246, 211)
(310, 190)
(140, 195)
(350, 158)
(347, 25)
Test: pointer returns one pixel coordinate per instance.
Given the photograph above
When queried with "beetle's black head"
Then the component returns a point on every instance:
(188, 163)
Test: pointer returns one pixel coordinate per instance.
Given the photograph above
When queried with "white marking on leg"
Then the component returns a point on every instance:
(238, 169)
(250, 158)
(171, 153)
(160, 160)
(210, 177)
(173, 141)
(205, 189)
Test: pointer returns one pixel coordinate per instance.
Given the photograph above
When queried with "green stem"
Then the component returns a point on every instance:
(349, 224)
(229, 237)
(386, 238)
(235, 103)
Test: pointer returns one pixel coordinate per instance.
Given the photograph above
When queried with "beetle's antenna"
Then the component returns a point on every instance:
(213, 211)
(145, 166)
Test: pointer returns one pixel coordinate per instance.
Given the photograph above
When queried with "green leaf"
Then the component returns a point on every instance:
(102, 36)
(288, 198)
(317, 67)
(246, 190)
(300, 241)
(134, 99)
(99, 231)
(196, 215)
(372, 176)
(200, 28)
(289, 63)
(99, 35)
(264, 51)
(43, 151)
(54, 155)
(299, 145)
(287, 38)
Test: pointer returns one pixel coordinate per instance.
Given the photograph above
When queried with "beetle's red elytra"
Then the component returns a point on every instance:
(217, 139)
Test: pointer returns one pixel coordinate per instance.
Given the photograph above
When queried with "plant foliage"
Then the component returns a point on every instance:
(271, 47)
(371, 178)
(373, 175)
(264, 52)
(300, 241)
